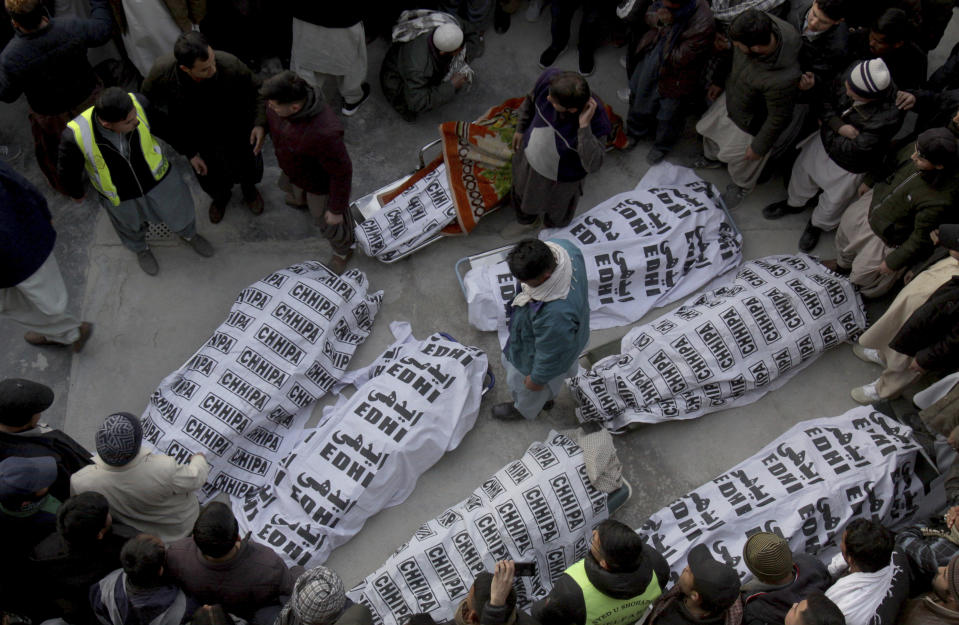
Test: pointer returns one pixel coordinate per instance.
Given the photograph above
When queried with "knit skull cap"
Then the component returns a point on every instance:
(952, 576)
(768, 557)
(448, 37)
(869, 79)
(938, 146)
(949, 236)
(318, 596)
(21, 399)
(118, 439)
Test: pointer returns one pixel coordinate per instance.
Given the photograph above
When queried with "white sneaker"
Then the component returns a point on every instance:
(866, 394)
(868, 354)
(533, 10)
(623, 94)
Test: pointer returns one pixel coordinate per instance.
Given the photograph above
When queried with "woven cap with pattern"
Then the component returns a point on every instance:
(118, 439)
(318, 596)
(768, 557)
(952, 577)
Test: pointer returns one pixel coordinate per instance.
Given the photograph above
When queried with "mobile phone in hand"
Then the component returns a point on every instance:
(524, 569)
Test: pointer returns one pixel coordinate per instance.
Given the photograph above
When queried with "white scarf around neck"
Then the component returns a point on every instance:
(556, 287)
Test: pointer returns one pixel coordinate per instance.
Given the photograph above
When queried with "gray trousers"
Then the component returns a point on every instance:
(39, 303)
(529, 403)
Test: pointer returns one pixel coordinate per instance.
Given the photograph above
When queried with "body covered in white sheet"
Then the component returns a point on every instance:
(541, 507)
(419, 401)
(243, 398)
(643, 248)
(726, 347)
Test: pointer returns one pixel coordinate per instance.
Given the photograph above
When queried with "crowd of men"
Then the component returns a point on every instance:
(818, 89)
(120, 539)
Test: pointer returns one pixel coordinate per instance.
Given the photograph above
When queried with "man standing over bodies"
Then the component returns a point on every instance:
(32, 291)
(674, 52)
(856, 123)
(126, 165)
(317, 171)
(560, 138)
(329, 40)
(214, 114)
(548, 325)
(742, 125)
(47, 61)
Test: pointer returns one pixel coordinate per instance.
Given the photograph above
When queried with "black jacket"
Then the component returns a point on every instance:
(877, 122)
(69, 454)
(825, 55)
(132, 177)
(931, 333)
(63, 574)
(907, 65)
(565, 604)
(26, 236)
(769, 607)
(50, 65)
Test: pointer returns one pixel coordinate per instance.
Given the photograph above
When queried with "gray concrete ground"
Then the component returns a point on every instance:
(147, 326)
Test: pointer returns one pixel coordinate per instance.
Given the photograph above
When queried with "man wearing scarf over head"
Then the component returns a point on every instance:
(548, 325)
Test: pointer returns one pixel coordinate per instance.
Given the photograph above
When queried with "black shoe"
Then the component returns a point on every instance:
(506, 412)
(810, 237)
(586, 63)
(351, 108)
(501, 19)
(148, 262)
(548, 405)
(549, 56)
(781, 209)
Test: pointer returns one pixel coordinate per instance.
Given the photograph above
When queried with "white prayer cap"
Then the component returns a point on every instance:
(447, 38)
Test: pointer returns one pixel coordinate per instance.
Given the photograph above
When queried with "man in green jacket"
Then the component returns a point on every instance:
(887, 229)
(548, 325)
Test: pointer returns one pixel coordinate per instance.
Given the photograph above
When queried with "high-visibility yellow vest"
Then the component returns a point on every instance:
(602, 609)
(82, 127)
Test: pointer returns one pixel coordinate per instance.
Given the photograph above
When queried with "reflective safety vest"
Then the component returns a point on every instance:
(601, 609)
(97, 170)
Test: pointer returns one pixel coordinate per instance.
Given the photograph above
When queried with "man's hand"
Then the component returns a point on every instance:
(807, 81)
(502, 582)
(332, 219)
(953, 441)
(713, 92)
(517, 141)
(458, 80)
(934, 236)
(750, 155)
(905, 101)
(915, 366)
(849, 131)
(533, 386)
(863, 189)
(199, 165)
(586, 116)
(200, 454)
(952, 516)
(884, 269)
(664, 16)
(257, 135)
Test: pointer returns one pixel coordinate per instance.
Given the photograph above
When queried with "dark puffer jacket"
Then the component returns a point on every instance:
(761, 91)
(907, 206)
(565, 604)
(931, 333)
(688, 43)
(824, 55)
(412, 77)
(769, 607)
(877, 122)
